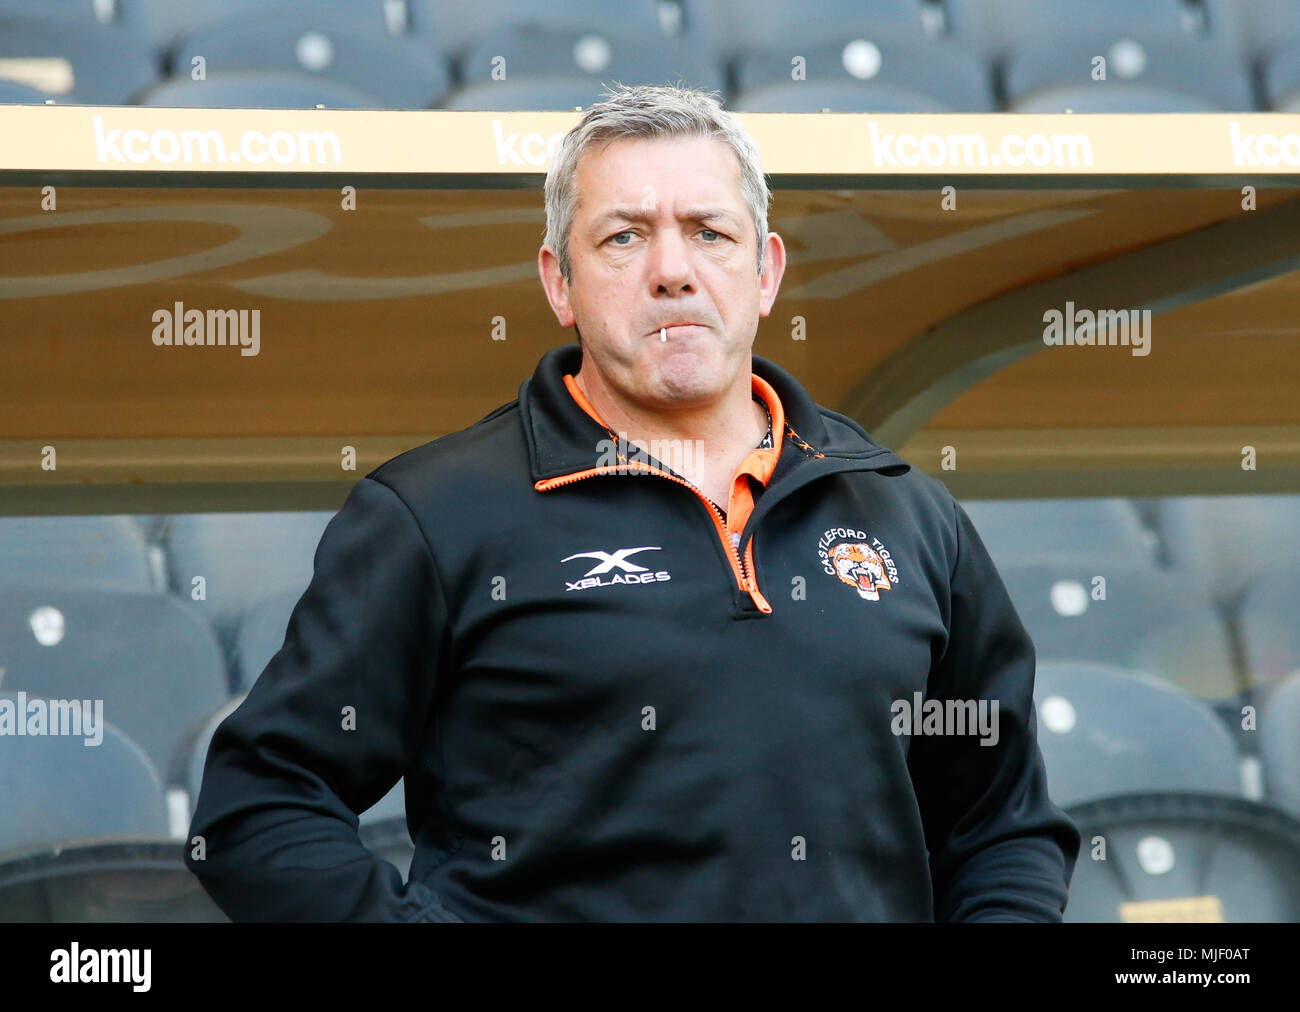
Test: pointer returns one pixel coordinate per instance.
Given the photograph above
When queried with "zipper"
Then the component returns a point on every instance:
(742, 572)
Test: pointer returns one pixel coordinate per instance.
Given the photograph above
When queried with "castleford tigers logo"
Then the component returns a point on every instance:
(863, 562)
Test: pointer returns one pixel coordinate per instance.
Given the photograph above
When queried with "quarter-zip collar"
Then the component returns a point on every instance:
(563, 438)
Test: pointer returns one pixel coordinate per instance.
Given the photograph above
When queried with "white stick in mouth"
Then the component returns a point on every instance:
(663, 335)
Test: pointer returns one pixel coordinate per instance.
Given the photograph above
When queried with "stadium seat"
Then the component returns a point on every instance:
(450, 27)
(108, 551)
(260, 635)
(155, 663)
(141, 880)
(57, 787)
(1011, 24)
(76, 61)
(258, 90)
(13, 93)
(1106, 731)
(1143, 74)
(1279, 745)
(600, 56)
(1254, 530)
(1282, 79)
(1022, 530)
(1135, 626)
(1185, 856)
(125, 16)
(836, 97)
(1270, 633)
(908, 69)
(242, 557)
(170, 22)
(185, 770)
(526, 95)
(349, 50)
(732, 29)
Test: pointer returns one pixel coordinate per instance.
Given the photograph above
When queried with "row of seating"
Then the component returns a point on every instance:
(722, 28)
(891, 56)
(246, 555)
(1136, 762)
(128, 646)
(1049, 551)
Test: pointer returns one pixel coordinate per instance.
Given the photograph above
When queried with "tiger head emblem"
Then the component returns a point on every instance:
(862, 568)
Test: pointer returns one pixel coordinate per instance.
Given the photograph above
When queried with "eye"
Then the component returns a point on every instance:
(617, 234)
(713, 232)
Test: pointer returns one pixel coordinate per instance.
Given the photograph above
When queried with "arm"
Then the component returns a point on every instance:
(284, 779)
(999, 849)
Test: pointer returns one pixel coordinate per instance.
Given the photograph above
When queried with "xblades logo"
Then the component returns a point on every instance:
(606, 561)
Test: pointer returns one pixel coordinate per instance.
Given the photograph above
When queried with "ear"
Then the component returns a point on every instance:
(773, 270)
(556, 288)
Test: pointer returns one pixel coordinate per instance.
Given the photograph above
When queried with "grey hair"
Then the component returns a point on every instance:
(649, 111)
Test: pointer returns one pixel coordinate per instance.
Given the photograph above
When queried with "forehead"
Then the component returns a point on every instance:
(616, 173)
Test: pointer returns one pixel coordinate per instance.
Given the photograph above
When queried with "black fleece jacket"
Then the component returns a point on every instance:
(604, 711)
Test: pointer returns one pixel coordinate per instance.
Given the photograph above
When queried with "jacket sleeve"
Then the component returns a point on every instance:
(329, 727)
(999, 848)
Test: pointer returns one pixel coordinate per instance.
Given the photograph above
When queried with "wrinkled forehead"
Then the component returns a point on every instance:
(626, 174)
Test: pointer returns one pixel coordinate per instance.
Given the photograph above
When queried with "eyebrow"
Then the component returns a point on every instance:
(633, 214)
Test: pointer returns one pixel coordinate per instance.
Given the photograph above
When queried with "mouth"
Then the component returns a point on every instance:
(674, 329)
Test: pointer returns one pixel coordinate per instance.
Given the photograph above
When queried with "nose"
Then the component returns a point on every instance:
(670, 267)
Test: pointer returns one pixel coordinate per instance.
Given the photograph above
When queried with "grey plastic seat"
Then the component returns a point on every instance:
(107, 551)
(139, 880)
(14, 93)
(57, 787)
(1185, 856)
(257, 89)
(138, 19)
(260, 635)
(1006, 25)
(733, 29)
(875, 61)
(242, 558)
(1140, 624)
(837, 97)
(1270, 633)
(1143, 74)
(1261, 530)
(450, 27)
(109, 66)
(526, 95)
(1105, 731)
(155, 663)
(543, 52)
(170, 22)
(307, 39)
(1279, 745)
(1022, 530)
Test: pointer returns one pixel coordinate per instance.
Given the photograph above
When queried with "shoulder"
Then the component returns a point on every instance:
(461, 465)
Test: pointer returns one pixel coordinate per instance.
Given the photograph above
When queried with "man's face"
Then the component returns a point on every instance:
(662, 235)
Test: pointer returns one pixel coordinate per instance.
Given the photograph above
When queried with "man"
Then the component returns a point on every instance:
(648, 642)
